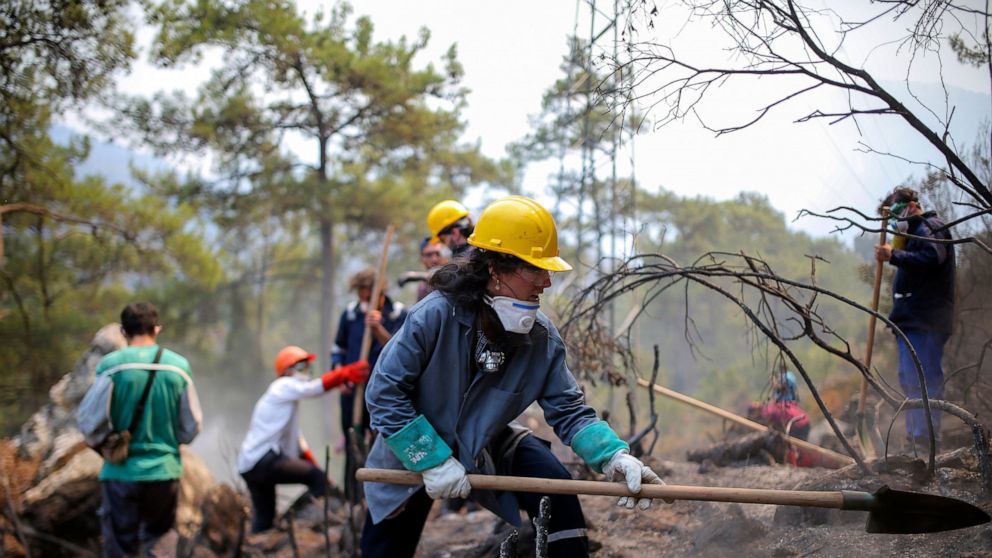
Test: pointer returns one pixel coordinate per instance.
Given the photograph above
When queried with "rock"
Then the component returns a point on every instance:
(66, 500)
(223, 529)
(58, 416)
(961, 458)
(81, 469)
(54, 476)
(194, 486)
(724, 528)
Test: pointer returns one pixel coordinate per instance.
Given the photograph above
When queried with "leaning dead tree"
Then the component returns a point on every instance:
(779, 311)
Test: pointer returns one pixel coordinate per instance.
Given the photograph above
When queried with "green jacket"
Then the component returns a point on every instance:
(171, 417)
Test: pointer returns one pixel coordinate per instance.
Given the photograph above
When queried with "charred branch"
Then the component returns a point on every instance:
(804, 47)
(781, 311)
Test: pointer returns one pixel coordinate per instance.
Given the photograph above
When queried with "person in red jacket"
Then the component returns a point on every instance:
(783, 411)
(274, 451)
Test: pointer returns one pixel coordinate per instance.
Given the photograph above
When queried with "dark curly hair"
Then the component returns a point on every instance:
(464, 281)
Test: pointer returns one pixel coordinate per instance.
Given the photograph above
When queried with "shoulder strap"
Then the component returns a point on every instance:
(140, 408)
(937, 224)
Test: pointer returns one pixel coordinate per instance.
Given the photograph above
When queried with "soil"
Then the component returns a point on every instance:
(717, 529)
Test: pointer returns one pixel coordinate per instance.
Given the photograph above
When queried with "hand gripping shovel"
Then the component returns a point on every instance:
(889, 511)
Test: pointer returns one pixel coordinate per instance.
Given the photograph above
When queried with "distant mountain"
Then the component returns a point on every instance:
(109, 160)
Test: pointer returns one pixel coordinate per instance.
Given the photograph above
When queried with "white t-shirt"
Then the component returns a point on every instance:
(274, 422)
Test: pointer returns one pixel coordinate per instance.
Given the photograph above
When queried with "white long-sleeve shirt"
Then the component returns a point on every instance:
(275, 422)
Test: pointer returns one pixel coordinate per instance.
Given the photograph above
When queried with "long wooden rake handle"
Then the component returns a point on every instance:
(357, 412)
(834, 499)
(876, 289)
(833, 456)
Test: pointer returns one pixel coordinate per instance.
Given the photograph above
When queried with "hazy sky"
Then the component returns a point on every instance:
(511, 52)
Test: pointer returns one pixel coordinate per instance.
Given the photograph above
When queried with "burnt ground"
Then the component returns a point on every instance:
(717, 529)
(684, 528)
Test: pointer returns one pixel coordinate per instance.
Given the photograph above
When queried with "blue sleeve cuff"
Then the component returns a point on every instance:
(596, 444)
(418, 446)
(896, 258)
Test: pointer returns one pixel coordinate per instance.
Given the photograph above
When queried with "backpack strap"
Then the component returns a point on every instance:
(140, 408)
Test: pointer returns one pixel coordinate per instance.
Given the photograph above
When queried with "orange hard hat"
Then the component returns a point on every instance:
(289, 356)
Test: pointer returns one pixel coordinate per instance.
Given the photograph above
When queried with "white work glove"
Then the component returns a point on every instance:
(624, 467)
(447, 480)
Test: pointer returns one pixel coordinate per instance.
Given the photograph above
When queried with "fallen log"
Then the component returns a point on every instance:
(757, 448)
(830, 457)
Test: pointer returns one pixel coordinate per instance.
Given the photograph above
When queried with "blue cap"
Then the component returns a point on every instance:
(788, 389)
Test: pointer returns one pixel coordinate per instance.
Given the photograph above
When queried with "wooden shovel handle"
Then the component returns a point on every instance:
(808, 498)
(834, 457)
(876, 289)
(358, 410)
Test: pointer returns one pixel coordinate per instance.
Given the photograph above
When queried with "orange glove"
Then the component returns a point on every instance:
(356, 373)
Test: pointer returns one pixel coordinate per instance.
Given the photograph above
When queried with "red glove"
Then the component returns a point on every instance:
(356, 373)
(308, 455)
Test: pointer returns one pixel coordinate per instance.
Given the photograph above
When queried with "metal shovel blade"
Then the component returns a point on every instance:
(899, 512)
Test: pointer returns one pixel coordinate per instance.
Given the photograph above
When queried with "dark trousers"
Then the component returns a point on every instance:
(137, 518)
(398, 536)
(930, 348)
(347, 408)
(275, 469)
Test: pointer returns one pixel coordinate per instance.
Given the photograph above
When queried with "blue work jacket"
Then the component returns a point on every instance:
(425, 369)
(923, 288)
(351, 329)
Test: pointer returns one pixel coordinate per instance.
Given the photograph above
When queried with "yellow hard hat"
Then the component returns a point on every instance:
(521, 227)
(444, 214)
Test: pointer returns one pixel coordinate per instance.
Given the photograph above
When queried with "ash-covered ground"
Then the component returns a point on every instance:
(688, 528)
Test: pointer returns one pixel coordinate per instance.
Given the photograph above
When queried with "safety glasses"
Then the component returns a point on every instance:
(534, 275)
(301, 366)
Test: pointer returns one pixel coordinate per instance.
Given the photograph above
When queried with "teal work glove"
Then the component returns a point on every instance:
(596, 444)
(418, 446)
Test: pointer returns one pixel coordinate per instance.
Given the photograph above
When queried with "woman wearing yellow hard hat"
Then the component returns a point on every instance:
(472, 356)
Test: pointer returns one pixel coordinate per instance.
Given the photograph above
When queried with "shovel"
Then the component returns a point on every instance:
(865, 426)
(889, 511)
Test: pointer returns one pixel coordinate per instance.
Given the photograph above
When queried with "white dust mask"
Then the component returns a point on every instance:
(517, 316)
